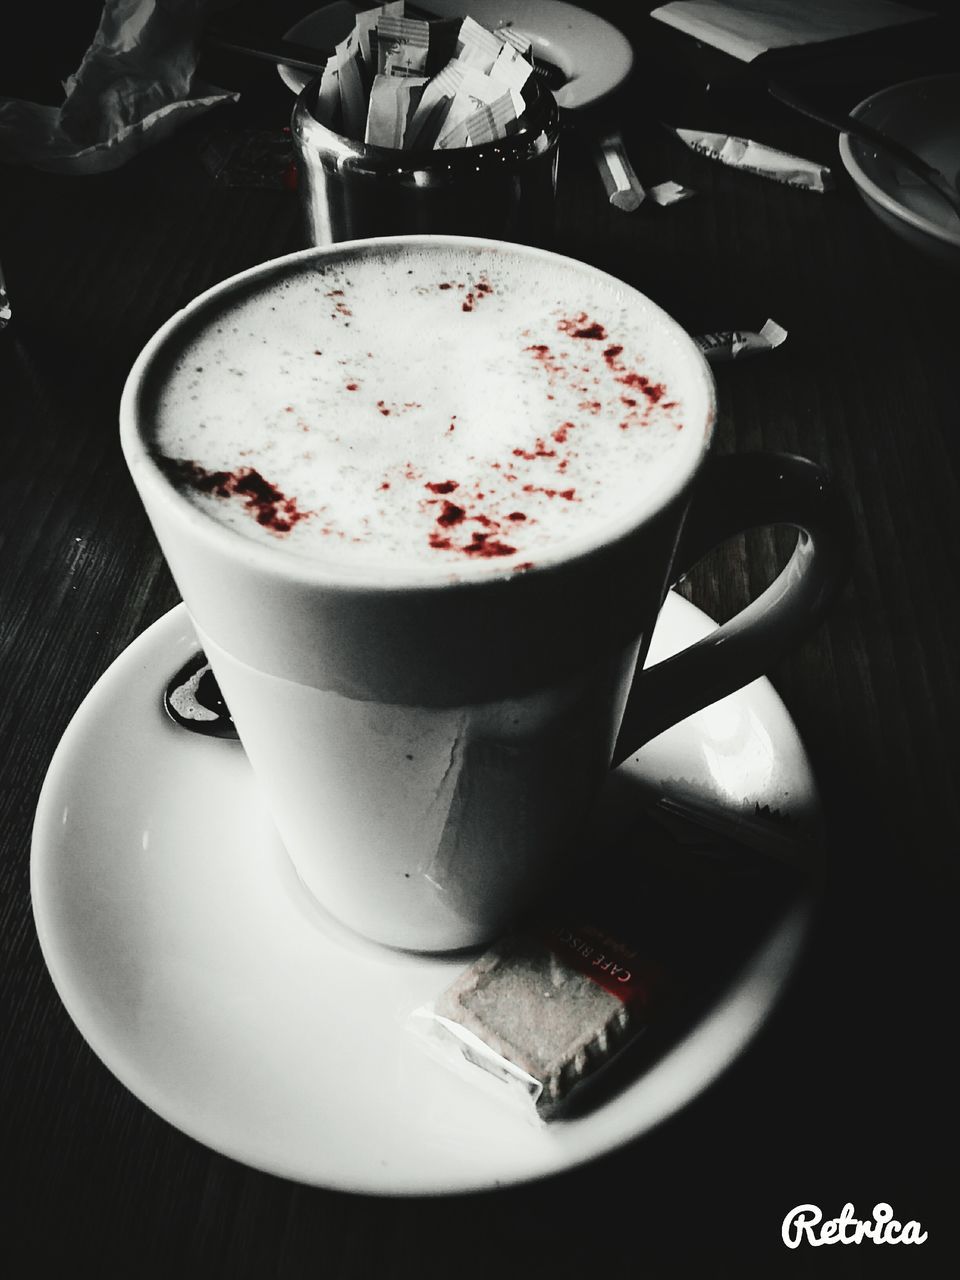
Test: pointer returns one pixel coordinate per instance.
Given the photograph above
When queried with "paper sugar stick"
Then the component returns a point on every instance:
(428, 118)
(477, 46)
(511, 68)
(328, 95)
(507, 35)
(756, 157)
(737, 343)
(622, 185)
(403, 45)
(486, 124)
(393, 100)
(353, 98)
(474, 90)
(366, 34)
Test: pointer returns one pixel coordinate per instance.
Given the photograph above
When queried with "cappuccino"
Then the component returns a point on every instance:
(440, 410)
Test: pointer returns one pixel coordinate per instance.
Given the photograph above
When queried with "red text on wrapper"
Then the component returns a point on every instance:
(607, 962)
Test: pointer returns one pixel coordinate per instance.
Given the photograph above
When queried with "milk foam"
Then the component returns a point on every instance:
(450, 408)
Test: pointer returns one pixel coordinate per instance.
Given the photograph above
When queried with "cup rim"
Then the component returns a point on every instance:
(360, 577)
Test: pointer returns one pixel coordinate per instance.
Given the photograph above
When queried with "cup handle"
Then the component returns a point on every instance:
(735, 493)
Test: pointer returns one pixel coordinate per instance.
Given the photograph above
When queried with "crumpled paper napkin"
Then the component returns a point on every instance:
(134, 86)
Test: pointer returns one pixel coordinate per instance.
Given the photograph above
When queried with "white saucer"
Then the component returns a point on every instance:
(595, 56)
(925, 116)
(192, 961)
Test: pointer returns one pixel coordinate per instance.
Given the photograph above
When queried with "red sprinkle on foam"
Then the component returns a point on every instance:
(568, 495)
(654, 391)
(268, 505)
(485, 546)
(451, 514)
(539, 450)
(582, 327)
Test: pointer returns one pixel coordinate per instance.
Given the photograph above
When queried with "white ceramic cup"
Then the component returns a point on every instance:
(429, 751)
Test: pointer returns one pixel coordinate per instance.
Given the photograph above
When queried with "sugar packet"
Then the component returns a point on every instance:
(476, 46)
(485, 124)
(736, 343)
(350, 76)
(403, 46)
(477, 95)
(475, 91)
(366, 30)
(328, 110)
(437, 96)
(393, 100)
(507, 35)
(757, 158)
(511, 68)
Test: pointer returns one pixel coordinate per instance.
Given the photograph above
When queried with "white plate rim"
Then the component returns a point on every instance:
(617, 61)
(849, 155)
(727, 1030)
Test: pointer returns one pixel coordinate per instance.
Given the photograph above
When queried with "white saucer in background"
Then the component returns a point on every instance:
(192, 961)
(925, 116)
(595, 56)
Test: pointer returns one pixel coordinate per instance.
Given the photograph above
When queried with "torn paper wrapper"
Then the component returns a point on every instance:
(746, 28)
(134, 86)
(668, 193)
(756, 157)
(732, 345)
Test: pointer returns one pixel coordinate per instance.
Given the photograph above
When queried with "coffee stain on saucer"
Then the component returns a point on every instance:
(192, 700)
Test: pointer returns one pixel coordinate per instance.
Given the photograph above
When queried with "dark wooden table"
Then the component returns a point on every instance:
(849, 1092)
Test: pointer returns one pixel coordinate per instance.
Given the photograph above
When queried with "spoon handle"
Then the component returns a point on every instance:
(279, 52)
(867, 133)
